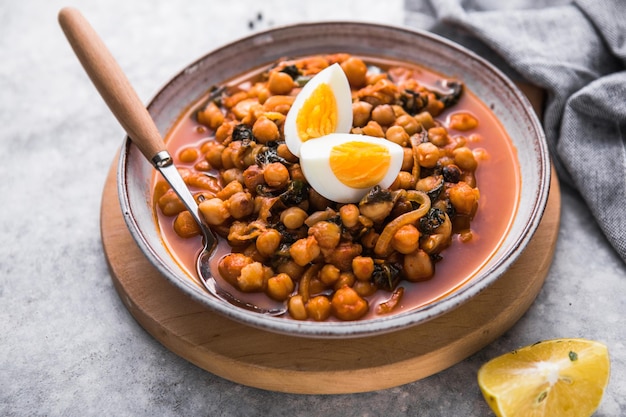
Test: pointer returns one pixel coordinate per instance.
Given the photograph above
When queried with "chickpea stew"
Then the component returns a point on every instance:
(398, 248)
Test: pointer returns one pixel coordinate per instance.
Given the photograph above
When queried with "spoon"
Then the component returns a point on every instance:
(124, 103)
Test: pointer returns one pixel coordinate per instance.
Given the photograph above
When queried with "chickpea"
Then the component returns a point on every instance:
(293, 217)
(232, 175)
(438, 136)
(280, 83)
(280, 287)
(407, 160)
(398, 110)
(170, 204)
(264, 130)
(211, 116)
(403, 180)
(203, 195)
(462, 121)
(244, 107)
(252, 177)
(445, 159)
(465, 159)
(417, 266)
(202, 181)
(329, 274)
(409, 123)
(230, 266)
(239, 155)
(185, 226)
(213, 154)
(316, 286)
(369, 239)
(349, 215)
(318, 308)
(373, 129)
(397, 134)
(276, 175)
(251, 251)
(295, 173)
(363, 267)
(284, 152)
(364, 288)
(464, 198)
(469, 178)
(373, 78)
(230, 189)
(346, 279)
(267, 243)
(240, 205)
(231, 101)
(202, 166)
(356, 71)
(291, 268)
(296, 308)
(326, 234)
(214, 211)
(427, 154)
(188, 155)
(347, 304)
(319, 216)
(406, 239)
(227, 157)
(304, 250)
(224, 132)
(383, 115)
(428, 184)
(438, 241)
(434, 106)
(160, 188)
(425, 119)
(361, 111)
(252, 277)
(279, 104)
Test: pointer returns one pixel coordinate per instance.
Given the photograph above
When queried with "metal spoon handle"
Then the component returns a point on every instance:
(111, 82)
(124, 103)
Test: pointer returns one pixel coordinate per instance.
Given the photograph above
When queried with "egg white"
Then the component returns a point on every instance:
(315, 164)
(338, 82)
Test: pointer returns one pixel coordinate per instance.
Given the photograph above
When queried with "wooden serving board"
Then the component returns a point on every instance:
(283, 363)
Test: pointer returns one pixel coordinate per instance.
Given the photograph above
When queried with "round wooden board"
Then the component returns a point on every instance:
(283, 363)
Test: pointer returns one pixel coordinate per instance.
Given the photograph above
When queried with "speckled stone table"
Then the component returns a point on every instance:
(67, 344)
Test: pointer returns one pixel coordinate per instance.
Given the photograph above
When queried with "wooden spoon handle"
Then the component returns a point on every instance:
(111, 82)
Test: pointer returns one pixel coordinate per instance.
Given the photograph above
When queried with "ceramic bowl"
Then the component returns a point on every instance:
(509, 105)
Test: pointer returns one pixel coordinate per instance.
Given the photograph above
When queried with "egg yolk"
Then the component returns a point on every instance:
(359, 164)
(318, 115)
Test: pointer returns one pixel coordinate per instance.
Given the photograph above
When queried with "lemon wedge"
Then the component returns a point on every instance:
(555, 378)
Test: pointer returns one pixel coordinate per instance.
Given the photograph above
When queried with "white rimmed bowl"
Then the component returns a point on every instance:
(509, 105)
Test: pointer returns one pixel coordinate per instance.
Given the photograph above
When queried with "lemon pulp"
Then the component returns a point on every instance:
(555, 378)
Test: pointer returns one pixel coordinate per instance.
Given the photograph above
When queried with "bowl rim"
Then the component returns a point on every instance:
(382, 324)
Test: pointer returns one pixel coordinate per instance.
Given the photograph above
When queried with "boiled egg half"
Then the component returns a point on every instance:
(323, 106)
(343, 167)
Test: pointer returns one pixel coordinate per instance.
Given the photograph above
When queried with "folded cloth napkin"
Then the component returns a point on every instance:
(576, 51)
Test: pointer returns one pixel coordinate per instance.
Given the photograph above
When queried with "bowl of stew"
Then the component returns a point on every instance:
(470, 187)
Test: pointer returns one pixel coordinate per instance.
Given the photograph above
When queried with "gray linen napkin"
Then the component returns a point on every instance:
(576, 51)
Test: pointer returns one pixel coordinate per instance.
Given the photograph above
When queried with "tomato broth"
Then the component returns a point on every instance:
(497, 178)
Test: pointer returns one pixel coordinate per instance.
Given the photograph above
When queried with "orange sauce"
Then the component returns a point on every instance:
(497, 178)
